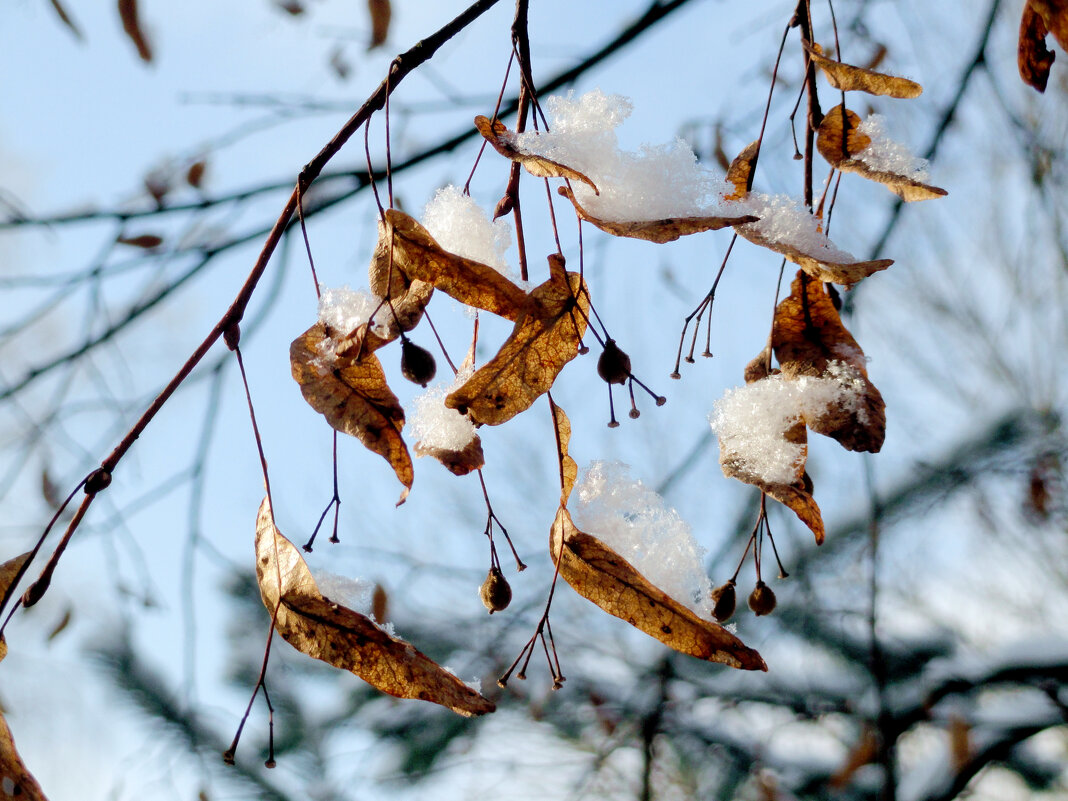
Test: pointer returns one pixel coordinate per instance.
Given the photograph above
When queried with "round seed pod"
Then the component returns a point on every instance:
(495, 591)
(724, 600)
(762, 599)
(417, 365)
(613, 365)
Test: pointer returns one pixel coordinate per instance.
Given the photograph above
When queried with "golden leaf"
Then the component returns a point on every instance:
(741, 170)
(808, 335)
(354, 398)
(659, 231)
(131, 24)
(796, 495)
(460, 462)
(346, 639)
(504, 142)
(568, 467)
(849, 78)
(381, 13)
(838, 141)
(18, 781)
(545, 338)
(420, 259)
(602, 576)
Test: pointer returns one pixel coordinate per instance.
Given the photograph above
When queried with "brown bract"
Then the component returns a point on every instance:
(381, 13)
(796, 495)
(545, 338)
(346, 639)
(420, 259)
(1040, 18)
(9, 573)
(17, 780)
(808, 335)
(131, 24)
(504, 142)
(740, 173)
(838, 141)
(354, 398)
(602, 576)
(832, 272)
(659, 231)
(568, 467)
(849, 78)
(460, 462)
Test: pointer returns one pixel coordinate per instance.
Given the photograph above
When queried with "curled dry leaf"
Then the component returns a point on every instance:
(568, 467)
(344, 638)
(419, 258)
(460, 462)
(144, 241)
(131, 23)
(381, 14)
(18, 782)
(545, 338)
(9, 576)
(740, 173)
(808, 336)
(838, 141)
(846, 273)
(659, 231)
(354, 398)
(504, 142)
(797, 495)
(758, 366)
(1040, 17)
(849, 78)
(194, 176)
(602, 576)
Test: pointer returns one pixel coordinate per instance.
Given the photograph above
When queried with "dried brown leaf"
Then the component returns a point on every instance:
(602, 576)
(381, 13)
(1054, 15)
(659, 231)
(838, 141)
(849, 78)
(291, 7)
(568, 467)
(758, 367)
(18, 781)
(1033, 58)
(346, 639)
(144, 241)
(194, 176)
(61, 624)
(131, 24)
(460, 462)
(545, 338)
(419, 258)
(9, 574)
(808, 335)
(796, 495)
(354, 398)
(504, 142)
(832, 272)
(740, 173)
(65, 18)
(864, 751)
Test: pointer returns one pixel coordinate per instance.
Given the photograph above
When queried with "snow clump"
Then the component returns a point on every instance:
(654, 182)
(635, 522)
(460, 226)
(435, 424)
(886, 155)
(784, 219)
(751, 420)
